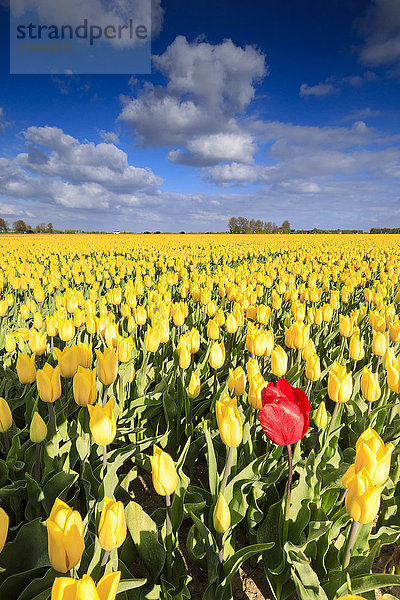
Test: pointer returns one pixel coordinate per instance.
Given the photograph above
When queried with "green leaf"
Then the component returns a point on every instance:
(144, 534)
(212, 463)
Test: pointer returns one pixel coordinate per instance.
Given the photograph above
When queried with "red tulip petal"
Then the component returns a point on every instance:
(284, 386)
(301, 399)
(282, 422)
(271, 393)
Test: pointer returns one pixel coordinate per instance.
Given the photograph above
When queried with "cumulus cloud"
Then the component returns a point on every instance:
(361, 113)
(207, 87)
(380, 29)
(58, 169)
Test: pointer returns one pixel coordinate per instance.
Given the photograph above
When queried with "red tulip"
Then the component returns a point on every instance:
(284, 416)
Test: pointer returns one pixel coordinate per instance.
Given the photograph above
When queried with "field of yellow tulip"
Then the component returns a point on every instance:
(251, 383)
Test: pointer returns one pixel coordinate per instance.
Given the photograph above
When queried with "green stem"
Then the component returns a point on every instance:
(105, 558)
(6, 441)
(215, 383)
(169, 536)
(288, 495)
(105, 392)
(37, 462)
(350, 543)
(104, 459)
(220, 556)
(227, 469)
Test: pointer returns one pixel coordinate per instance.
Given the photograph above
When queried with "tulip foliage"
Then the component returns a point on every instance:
(168, 407)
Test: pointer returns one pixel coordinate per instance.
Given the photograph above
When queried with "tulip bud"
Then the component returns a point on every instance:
(321, 416)
(394, 330)
(84, 355)
(229, 421)
(165, 478)
(212, 330)
(194, 386)
(231, 324)
(5, 416)
(252, 367)
(279, 360)
(4, 521)
(393, 376)
(10, 343)
(102, 423)
(356, 347)
(194, 340)
(237, 381)
(112, 526)
(84, 386)
(345, 326)
(217, 355)
(152, 339)
(26, 369)
(221, 515)
(107, 366)
(38, 429)
(66, 330)
(379, 343)
(256, 384)
(65, 537)
(370, 385)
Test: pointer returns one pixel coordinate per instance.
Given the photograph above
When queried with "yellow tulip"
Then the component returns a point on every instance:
(370, 385)
(4, 521)
(217, 355)
(356, 347)
(37, 429)
(5, 416)
(393, 376)
(102, 423)
(140, 315)
(37, 342)
(372, 454)
(388, 357)
(48, 383)
(313, 367)
(64, 536)
(221, 515)
(194, 340)
(124, 349)
(229, 421)
(164, 475)
(10, 343)
(237, 381)
(350, 596)
(194, 386)
(231, 324)
(252, 367)
(66, 588)
(112, 526)
(394, 330)
(152, 339)
(66, 330)
(363, 498)
(67, 360)
(279, 360)
(256, 384)
(84, 355)
(321, 416)
(212, 330)
(345, 326)
(107, 366)
(26, 369)
(52, 326)
(340, 383)
(84, 386)
(379, 343)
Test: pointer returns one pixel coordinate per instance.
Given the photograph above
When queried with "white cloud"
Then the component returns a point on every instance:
(207, 88)
(381, 31)
(58, 169)
(361, 113)
(321, 89)
(109, 136)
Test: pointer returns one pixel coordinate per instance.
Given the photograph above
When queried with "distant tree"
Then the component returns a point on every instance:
(274, 227)
(243, 225)
(3, 225)
(267, 227)
(233, 225)
(41, 227)
(20, 226)
(49, 227)
(285, 226)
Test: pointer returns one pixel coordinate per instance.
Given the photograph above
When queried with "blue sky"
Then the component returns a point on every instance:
(272, 110)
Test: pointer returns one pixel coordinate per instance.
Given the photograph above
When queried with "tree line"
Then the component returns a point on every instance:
(20, 226)
(243, 225)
